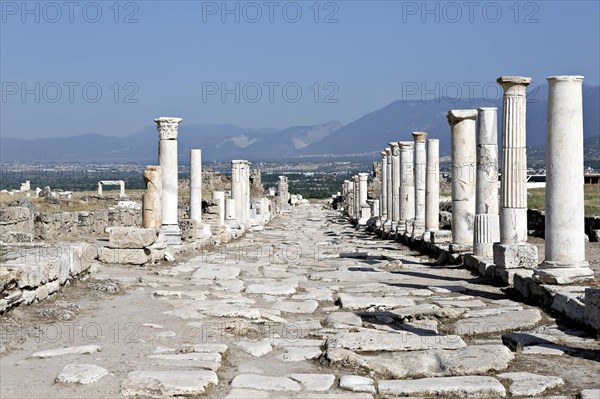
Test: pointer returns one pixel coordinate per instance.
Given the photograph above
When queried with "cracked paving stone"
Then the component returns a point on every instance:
(528, 384)
(81, 374)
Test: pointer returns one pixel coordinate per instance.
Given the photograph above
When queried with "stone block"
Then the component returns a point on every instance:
(441, 237)
(592, 308)
(131, 237)
(570, 304)
(516, 256)
(14, 214)
(189, 230)
(124, 255)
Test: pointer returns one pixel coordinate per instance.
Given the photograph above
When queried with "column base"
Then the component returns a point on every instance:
(441, 237)
(426, 236)
(460, 248)
(172, 234)
(484, 250)
(418, 228)
(562, 272)
(515, 256)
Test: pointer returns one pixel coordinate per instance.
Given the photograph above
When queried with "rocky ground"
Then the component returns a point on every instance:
(307, 308)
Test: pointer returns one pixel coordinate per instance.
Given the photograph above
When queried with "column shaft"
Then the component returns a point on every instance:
(196, 186)
(432, 188)
(407, 185)
(420, 167)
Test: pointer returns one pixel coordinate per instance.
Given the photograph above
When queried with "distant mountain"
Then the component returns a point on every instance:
(361, 139)
(366, 136)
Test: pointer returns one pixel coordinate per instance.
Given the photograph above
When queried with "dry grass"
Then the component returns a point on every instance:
(536, 198)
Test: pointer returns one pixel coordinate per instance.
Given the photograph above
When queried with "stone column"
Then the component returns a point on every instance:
(219, 198)
(395, 149)
(99, 189)
(387, 224)
(364, 207)
(375, 208)
(230, 213)
(356, 180)
(246, 191)
(420, 168)
(167, 159)
(487, 221)
(122, 188)
(407, 186)
(196, 186)
(237, 189)
(464, 161)
(513, 250)
(432, 189)
(564, 261)
(384, 188)
(151, 200)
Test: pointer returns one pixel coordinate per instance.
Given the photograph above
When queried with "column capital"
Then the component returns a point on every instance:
(406, 145)
(383, 154)
(388, 151)
(419, 137)
(167, 127)
(394, 148)
(514, 85)
(569, 78)
(458, 115)
(363, 176)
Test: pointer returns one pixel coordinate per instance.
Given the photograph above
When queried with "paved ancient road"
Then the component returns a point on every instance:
(278, 314)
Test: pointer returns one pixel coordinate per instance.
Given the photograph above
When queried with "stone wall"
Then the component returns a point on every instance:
(72, 225)
(16, 224)
(35, 272)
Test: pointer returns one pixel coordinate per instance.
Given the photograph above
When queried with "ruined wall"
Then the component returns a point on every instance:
(536, 224)
(16, 224)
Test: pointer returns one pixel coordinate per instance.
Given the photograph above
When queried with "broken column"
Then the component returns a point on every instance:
(432, 189)
(395, 149)
(219, 198)
(231, 218)
(196, 186)
(464, 160)
(384, 188)
(387, 224)
(487, 220)
(365, 208)
(407, 187)
(564, 261)
(167, 158)
(357, 207)
(151, 200)
(513, 251)
(420, 166)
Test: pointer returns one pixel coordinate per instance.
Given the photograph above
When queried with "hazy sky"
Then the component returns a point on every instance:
(280, 63)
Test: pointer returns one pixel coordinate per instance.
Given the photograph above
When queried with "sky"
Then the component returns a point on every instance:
(107, 67)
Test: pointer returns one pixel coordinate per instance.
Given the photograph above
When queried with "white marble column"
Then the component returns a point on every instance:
(151, 200)
(513, 250)
(407, 187)
(420, 168)
(365, 208)
(387, 224)
(245, 173)
(432, 189)
(395, 149)
(219, 198)
(231, 218)
(167, 159)
(196, 186)
(487, 220)
(99, 189)
(356, 180)
(464, 161)
(384, 188)
(564, 261)
(237, 189)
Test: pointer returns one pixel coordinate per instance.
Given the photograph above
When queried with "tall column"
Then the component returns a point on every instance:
(407, 186)
(564, 261)
(395, 149)
(219, 198)
(196, 186)
(384, 188)
(356, 180)
(464, 160)
(365, 208)
(245, 173)
(513, 250)
(237, 189)
(487, 221)
(387, 225)
(99, 189)
(151, 200)
(420, 168)
(432, 188)
(167, 159)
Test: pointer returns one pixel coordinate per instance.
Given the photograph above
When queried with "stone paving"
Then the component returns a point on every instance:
(281, 314)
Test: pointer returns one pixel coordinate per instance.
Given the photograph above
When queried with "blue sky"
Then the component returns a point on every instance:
(173, 58)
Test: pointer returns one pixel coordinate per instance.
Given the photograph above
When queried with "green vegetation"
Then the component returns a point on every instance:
(536, 198)
(310, 186)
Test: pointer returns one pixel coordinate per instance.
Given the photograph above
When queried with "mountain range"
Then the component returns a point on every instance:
(360, 139)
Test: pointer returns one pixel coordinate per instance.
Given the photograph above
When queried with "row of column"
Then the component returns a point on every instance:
(482, 224)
